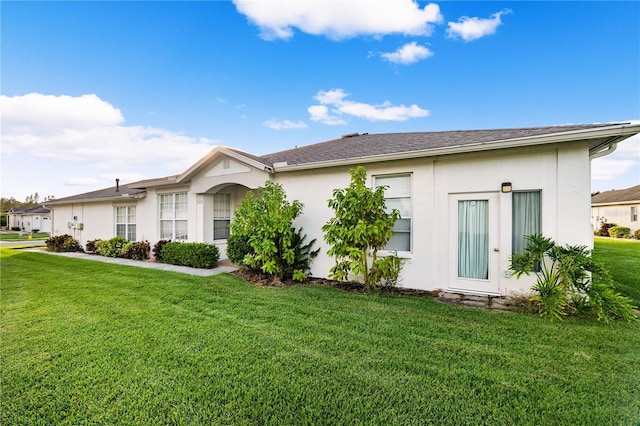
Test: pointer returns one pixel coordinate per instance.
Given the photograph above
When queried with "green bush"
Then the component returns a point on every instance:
(195, 255)
(91, 245)
(619, 232)
(636, 234)
(569, 281)
(157, 249)
(16, 228)
(112, 247)
(263, 221)
(138, 250)
(238, 247)
(62, 243)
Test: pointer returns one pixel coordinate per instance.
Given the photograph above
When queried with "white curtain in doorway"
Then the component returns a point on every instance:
(473, 239)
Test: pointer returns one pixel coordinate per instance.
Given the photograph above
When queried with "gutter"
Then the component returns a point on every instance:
(88, 200)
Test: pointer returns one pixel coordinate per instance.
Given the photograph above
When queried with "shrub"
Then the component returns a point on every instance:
(35, 230)
(569, 280)
(16, 228)
(636, 234)
(112, 247)
(157, 249)
(91, 245)
(195, 255)
(62, 243)
(604, 229)
(620, 232)
(264, 222)
(138, 250)
(360, 228)
(238, 247)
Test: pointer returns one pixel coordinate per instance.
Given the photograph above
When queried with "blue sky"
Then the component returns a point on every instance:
(92, 91)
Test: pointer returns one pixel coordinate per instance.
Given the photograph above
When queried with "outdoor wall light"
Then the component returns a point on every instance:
(506, 187)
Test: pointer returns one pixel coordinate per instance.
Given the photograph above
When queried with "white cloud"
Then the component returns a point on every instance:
(470, 29)
(408, 54)
(84, 138)
(321, 114)
(333, 106)
(276, 124)
(340, 19)
(616, 164)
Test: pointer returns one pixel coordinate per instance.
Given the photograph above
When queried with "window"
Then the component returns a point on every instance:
(126, 222)
(221, 216)
(398, 196)
(634, 214)
(526, 218)
(173, 216)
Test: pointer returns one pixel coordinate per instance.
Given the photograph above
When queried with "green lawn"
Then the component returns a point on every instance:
(622, 259)
(85, 342)
(22, 236)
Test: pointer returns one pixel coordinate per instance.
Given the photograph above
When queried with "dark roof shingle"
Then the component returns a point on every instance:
(366, 145)
(617, 196)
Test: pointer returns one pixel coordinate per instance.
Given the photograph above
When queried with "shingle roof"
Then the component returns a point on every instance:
(617, 196)
(105, 193)
(31, 210)
(366, 145)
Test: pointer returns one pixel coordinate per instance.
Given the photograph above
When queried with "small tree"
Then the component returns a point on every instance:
(360, 228)
(264, 222)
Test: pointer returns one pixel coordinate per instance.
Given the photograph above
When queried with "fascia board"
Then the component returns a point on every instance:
(616, 203)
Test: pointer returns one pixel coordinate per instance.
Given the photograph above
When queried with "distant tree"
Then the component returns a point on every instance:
(32, 200)
(49, 198)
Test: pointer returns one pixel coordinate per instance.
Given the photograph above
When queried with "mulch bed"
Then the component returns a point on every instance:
(265, 280)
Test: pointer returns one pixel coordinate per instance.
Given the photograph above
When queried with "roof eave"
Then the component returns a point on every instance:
(121, 197)
(619, 131)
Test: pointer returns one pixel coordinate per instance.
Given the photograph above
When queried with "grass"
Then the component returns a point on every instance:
(22, 236)
(91, 343)
(622, 259)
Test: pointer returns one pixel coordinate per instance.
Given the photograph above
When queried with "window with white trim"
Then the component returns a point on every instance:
(398, 196)
(221, 216)
(634, 214)
(126, 222)
(173, 216)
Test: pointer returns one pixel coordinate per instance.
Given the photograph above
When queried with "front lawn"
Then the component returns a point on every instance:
(622, 259)
(85, 342)
(22, 236)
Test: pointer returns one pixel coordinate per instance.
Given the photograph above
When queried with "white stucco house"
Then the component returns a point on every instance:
(467, 198)
(619, 206)
(30, 218)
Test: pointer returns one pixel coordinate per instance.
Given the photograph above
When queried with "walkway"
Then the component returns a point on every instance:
(223, 267)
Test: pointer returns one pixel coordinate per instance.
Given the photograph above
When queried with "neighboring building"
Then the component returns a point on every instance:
(619, 206)
(467, 198)
(36, 218)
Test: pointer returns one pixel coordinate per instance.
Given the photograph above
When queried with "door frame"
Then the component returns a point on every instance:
(491, 285)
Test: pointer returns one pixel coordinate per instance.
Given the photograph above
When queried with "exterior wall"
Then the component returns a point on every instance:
(620, 214)
(561, 173)
(84, 221)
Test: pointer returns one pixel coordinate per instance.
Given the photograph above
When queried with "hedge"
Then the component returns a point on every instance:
(195, 255)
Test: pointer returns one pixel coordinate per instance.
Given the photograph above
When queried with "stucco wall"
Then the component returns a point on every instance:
(619, 214)
(561, 173)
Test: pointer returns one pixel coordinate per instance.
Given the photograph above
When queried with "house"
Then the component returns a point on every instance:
(467, 198)
(619, 206)
(34, 218)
